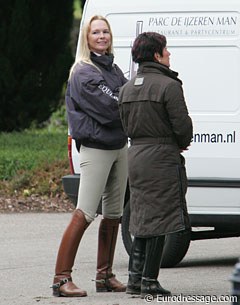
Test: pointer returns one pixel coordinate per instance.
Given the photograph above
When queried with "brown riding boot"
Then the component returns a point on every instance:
(107, 237)
(62, 283)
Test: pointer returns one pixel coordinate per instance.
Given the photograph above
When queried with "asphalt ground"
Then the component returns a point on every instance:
(28, 248)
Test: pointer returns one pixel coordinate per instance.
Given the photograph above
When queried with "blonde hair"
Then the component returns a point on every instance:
(83, 52)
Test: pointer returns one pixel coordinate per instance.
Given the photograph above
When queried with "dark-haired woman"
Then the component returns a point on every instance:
(155, 117)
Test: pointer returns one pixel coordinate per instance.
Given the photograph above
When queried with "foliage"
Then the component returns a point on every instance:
(58, 120)
(82, 4)
(77, 9)
(28, 150)
(35, 57)
(33, 162)
(43, 180)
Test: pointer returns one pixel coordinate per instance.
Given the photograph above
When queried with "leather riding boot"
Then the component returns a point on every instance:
(62, 283)
(107, 237)
(153, 256)
(135, 266)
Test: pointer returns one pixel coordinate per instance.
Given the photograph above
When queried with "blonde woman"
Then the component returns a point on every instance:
(94, 122)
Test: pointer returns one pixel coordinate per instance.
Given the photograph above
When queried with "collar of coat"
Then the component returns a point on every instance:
(105, 61)
(149, 66)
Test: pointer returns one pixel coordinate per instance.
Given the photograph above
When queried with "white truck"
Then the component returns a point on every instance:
(204, 40)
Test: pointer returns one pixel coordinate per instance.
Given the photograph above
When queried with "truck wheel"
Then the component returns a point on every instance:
(175, 248)
(176, 244)
(126, 236)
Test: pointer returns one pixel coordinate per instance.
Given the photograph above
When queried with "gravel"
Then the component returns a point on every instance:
(35, 203)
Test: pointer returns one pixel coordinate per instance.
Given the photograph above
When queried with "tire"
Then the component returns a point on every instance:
(176, 244)
(126, 236)
(175, 248)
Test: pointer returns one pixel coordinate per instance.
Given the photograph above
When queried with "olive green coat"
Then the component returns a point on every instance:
(155, 117)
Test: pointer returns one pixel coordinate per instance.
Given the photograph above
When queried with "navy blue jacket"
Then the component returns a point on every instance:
(92, 104)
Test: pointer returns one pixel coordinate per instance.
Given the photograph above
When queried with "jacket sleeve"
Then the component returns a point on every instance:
(124, 111)
(79, 123)
(92, 96)
(121, 75)
(179, 118)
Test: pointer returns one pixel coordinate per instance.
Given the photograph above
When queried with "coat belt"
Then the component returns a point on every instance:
(150, 140)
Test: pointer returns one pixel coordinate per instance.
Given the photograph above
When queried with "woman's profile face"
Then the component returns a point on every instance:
(99, 37)
(165, 58)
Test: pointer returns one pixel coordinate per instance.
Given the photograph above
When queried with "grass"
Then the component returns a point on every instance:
(33, 161)
(30, 149)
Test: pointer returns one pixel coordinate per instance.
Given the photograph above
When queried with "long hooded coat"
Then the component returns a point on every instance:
(155, 117)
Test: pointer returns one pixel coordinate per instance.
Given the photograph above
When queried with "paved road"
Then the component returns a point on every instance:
(28, 246)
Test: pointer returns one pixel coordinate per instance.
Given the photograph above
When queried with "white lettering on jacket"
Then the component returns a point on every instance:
(107, 91)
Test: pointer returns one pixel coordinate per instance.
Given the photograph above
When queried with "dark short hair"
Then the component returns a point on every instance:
(146, 45)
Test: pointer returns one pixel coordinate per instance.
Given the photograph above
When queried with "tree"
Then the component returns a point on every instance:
(35, 58)
(82, 4)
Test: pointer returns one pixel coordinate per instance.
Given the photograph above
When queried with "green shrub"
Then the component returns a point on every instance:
(35, 59)
(29, 149)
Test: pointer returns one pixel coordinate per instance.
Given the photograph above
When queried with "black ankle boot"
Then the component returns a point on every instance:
(135, 267)
(153, 256)
(152, 286)
(134, 284)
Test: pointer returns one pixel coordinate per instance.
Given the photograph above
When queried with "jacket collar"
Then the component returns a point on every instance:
(105, 61)
(150, 66)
